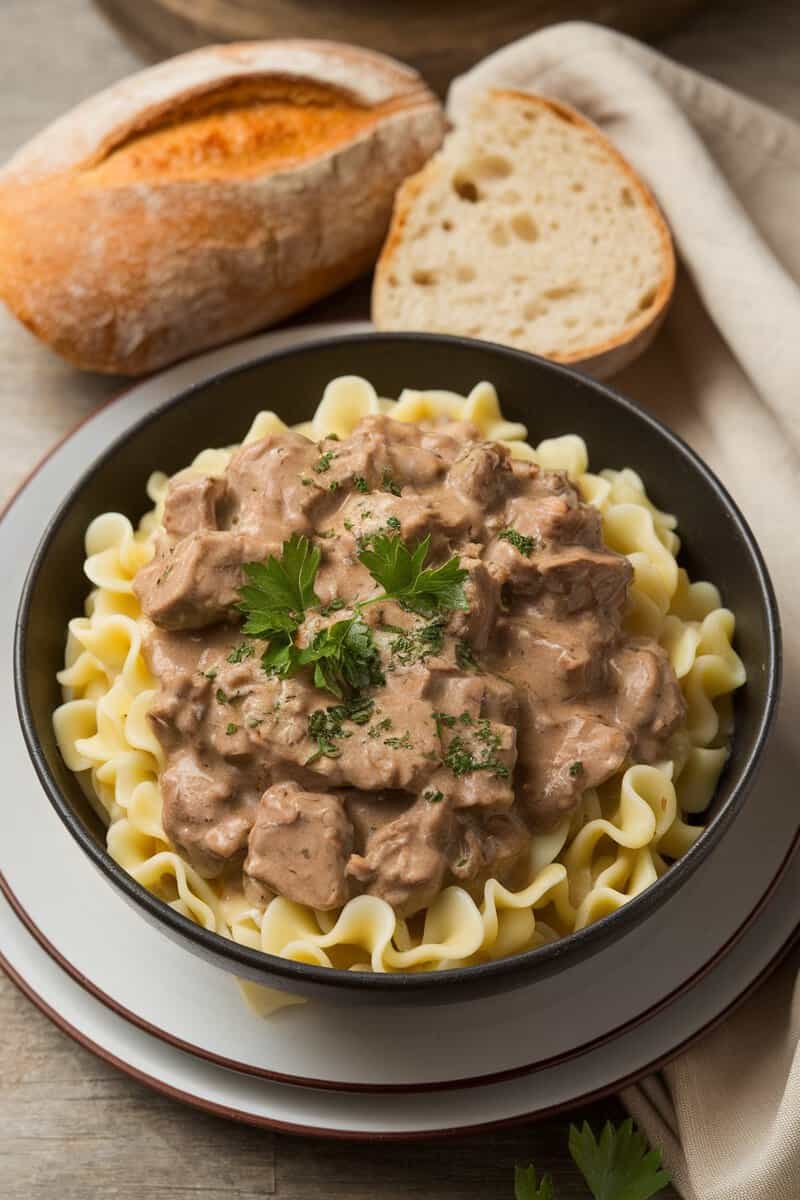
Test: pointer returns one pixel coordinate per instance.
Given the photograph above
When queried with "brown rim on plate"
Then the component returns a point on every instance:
(223, 1110)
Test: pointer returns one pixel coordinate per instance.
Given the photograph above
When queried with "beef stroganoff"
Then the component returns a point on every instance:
(395, 690)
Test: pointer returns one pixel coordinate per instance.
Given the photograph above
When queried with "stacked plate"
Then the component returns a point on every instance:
(119, 986)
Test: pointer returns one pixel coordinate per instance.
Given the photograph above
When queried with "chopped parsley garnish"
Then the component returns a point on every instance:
(465, 659)
(416, 645)
(326, 726)
(323, 463)
(243, 650)
(388, 484)
(398, 743)
(375, 731)
(231, 728)
(306, 482)
(393, 523)
(519, 541)
(334, 485)
(461, 755)
(403, 576)
(576, 768)
(433, 795)
(360, 484)
(212, 674)
(347, 524)
(222, 698)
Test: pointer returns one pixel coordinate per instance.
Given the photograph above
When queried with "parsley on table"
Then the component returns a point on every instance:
(526, 1187)
(405, 578)
(617, 1166)
(519, 541)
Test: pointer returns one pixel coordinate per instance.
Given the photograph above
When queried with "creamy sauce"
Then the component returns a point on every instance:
(492, 722)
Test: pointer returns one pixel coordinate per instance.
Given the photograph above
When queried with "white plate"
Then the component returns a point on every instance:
(406, 1115)
(103, 942)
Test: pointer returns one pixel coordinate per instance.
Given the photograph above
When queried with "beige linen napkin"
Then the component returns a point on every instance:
(725, 373)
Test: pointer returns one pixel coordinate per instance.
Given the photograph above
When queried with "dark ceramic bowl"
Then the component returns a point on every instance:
(550, 400)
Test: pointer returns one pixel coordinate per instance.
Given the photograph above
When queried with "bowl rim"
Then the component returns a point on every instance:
(256, 963)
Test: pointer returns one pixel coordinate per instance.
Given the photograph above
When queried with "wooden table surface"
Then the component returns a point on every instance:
(71, 1127)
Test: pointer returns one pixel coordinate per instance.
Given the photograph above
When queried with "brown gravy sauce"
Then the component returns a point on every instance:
(540, 694)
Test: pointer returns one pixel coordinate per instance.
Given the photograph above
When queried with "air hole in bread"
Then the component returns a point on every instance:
(516, 332)
(534, 309)
(562, 291)
(529, 115)
(647, 300)
(465, 274)
(423, 277)
(626, 196)
(524, 227)
(465, 188)
(554, 225)
(393, 281)
(499, 234)
(577, 186)
(447, 225)
(492, 166)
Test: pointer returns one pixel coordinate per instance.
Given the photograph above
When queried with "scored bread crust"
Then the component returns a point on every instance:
(207, 197)
(607, 355)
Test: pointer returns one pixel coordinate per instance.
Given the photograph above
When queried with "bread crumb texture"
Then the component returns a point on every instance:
(529, 229)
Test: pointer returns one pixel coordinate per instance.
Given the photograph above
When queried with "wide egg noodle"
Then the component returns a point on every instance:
(621, 837)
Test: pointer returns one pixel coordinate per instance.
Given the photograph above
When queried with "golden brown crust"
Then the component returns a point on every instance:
(202, 216)
(602, 358)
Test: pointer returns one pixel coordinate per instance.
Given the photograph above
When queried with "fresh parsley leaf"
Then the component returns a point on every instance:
(526, 1187)
(345, 658)
(619, 1166)
(403, 576)
(281, 656)
(519, 541)
(281, 589)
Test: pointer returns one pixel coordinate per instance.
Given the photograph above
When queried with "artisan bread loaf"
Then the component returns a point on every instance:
(530, 229)
(209, 196)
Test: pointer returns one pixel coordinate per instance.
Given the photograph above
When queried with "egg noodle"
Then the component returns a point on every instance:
(621, 837)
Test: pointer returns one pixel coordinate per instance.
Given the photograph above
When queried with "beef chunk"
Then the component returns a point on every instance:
(404, 861)
(298, 848)
(191, 505)
(204, 814)
(197, 582)
(649, 699)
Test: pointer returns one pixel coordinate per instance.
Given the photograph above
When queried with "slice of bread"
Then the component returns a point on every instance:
(530, 229)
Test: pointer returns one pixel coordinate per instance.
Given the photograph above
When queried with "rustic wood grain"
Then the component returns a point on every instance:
(71, 1127)
(439, 39)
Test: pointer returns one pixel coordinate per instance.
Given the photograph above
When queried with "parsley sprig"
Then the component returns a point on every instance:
(402, 574)
(279, 593)
(616, 1166)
